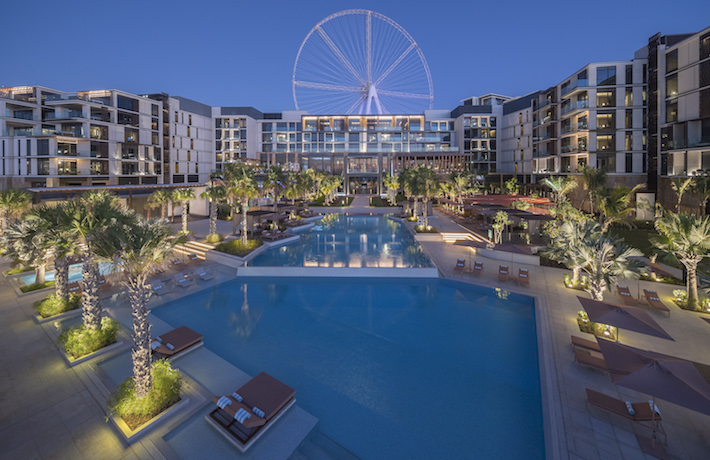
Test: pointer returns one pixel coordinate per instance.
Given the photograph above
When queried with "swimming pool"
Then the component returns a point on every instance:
(405, 369)
(75, 273)
(342, 240)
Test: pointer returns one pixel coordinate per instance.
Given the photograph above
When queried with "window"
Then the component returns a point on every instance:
(42, 147)
(704, 73)
(154, 110)
(188, 131)
(629, 162)
(606, 121)
(629, 97)
(43, 166)
(127, 103)
(189, 120)
(629, 74)
(672, 86)
(192, 144)
(606, 76)
(605, 142)
(705, 46)
(177, 167)
(188, 155)
(672, 61)
(705, 103)
(606, 98)
(176, 117)
(671, 111)
(629, 141)
(520, 117)
(629, 124)
(644, 73)
(582, 75)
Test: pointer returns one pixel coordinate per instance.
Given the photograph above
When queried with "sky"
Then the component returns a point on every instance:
(242, 53)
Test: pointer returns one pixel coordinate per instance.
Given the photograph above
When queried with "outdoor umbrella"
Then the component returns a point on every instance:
(676, 380)
(631, 318)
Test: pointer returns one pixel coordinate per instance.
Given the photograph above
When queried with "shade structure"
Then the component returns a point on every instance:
(675, 380)
(631, 318)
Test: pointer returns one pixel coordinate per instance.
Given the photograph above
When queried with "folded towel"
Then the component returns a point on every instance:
(223, 402)
(154, 345)
(630, 408)
(653, 406)
(237, 397)
(158, 339)
(258, 412)
(157, 287)
(170, 346)
(241, 415)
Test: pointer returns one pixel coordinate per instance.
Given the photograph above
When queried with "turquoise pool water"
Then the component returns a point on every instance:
(393, 369)
(74, 273)
(341, 240)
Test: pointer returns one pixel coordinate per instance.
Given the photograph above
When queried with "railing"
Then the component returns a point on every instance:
(542, 121)
(575, 106)
(28, 132)
(577, 84)
(22, 97)
(63, 115)
(75, 97)
(20, 115)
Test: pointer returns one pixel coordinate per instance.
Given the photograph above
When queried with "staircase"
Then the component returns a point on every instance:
(195, 247)
(320, 447)
(452, 237)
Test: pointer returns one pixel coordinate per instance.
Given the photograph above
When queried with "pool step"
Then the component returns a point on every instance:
(320, 447)
(451, 237)
(194, 247)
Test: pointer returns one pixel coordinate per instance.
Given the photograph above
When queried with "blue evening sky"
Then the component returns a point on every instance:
(242, 52)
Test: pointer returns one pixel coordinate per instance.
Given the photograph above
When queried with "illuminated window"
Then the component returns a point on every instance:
(177, 168)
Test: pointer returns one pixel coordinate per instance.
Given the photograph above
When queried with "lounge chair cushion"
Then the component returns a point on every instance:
(237, 397)
(223, 402)
(158, 339)
(258, 411)
(630, 408)
(170, 346)
(241, 415)
(652, 405)
(154, 345)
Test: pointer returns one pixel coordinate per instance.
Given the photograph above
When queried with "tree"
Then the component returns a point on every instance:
(161, 197)
(512, 187)
(425, 186)
(215, 194)
(462, 185)
(184, 195)
(138, 248)
(317, 177)
(566, 238)
(687, 239)
(329, 187)
(276, 182)
(501, 220)
(616, 206)
(701, 188)
(391, 183)
(681, 185)
(241, 186)
(561, 186)
(605, 259)
(26, 240)
(594, 183)
(12, 202)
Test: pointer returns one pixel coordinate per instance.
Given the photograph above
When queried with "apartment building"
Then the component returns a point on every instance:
(517, 136)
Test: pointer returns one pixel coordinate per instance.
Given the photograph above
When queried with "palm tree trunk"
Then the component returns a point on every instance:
(61, 277)
(692, 286)
(39, 273)
(3, 223)
(138, 295)
(90, 298)
(163, 211)
(213, 217)
(234, 222)
(184, 217)
(244, 203)
(276, 202)
(575, 274)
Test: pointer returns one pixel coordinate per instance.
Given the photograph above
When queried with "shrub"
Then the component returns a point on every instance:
(601, 330)
(421, 229)
(579, 285)
(53, 305)
(214, 238)
(235, 247)
(36, 287)
(17, 270)
(680, 297)
(167, 383)
(80, 341)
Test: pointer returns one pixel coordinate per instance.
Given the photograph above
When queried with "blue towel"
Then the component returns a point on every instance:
(258, 412)
(653, 406)
(159, 340)
(170, 346)
(630, 408)
(157, 287)
(237, 397)
(154, 345)
(241, 415)
(223, 402)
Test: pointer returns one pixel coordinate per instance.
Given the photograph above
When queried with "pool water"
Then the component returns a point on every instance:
(405, 369)
(341, 240)
(75, 273)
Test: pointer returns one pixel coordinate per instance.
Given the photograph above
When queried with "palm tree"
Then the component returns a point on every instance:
(566, 238)
(215, 194)
(461, 182)
(391, 183)
(501, 221)
(561, 186)
(276, 181)
(686, 238)
(26, 240)
(605, 260)
(184, 195)
(317, 176)
(701, 188)
(241, 186)
(681, 185)
(161, 197)
(12, 202)
(138, 248)
(329, 187)
(594, 182)
(426, 186)
(615, 207)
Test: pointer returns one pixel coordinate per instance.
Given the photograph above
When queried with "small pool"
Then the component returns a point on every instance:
(74, 273)
(341, 240)
(393, 369)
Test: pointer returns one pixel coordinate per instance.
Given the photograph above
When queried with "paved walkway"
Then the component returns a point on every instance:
(47, 411)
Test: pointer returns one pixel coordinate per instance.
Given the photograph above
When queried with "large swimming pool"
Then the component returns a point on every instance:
(406, 369)
(342, 240)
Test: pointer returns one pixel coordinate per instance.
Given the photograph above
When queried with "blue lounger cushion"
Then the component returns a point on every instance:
(154, 345)
(258, 412)
(241, 415)
(630, 408)
(237, 397)
(223, 402)
(170, 346)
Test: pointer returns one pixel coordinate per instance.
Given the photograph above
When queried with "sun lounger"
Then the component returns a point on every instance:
(160, 288)
(591, 361)
(193, 257)
(460, 265)
(173, 342)
(477, 268)
(183, 281)
(74, 287)
(654, 301)
(204, 275)
(103, 282)
(524, 277)
(585, 344)
(642, 411)
(626, 296)
(175, 261)
(502, 273)
(263, 392)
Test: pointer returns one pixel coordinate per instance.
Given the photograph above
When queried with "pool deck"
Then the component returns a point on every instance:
(48, 410)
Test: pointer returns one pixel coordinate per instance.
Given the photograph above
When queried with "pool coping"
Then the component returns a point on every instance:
(338, 272)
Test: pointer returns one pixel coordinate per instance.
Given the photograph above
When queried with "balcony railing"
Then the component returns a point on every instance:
(542, 121)
(29, 132)
(76, 97)
(20, 115)
(63, 115)
(577, 84)
(579, 105)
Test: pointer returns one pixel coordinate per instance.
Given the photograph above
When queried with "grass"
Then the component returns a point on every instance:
(235, 247)
(421, 229)
(167, 383)
(639, 238)
(36, 287)
(18, 270)
(80, 341)
(214, 238)
(339, 201)
(377, 201)
(53, 306)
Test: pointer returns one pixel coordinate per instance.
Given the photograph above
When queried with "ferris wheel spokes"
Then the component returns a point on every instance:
(339, 54)
(327, 86)
(394, 64)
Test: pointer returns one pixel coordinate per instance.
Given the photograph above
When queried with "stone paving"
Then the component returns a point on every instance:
(47, 411)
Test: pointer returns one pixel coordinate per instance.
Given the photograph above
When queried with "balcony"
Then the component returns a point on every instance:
(544, 137)
(567, 130)
(42, 132)
(64, 115)
(574, 108)
(58, 99)
(20, 115)
(20, 97)
(579, 85)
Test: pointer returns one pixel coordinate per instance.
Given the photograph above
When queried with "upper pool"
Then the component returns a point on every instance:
(393, 369)
(341, 240)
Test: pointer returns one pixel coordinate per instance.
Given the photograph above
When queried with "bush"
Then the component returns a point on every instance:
(235, 247)
(680, 297)
(167, 383)
(79, 341)
(214, 238)
(601, 330)
(579, 285)
(421, 229)
(18, 270)
(53, 305)
(36, 287)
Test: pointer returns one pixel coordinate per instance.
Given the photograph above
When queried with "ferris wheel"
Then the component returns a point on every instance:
(361, 62)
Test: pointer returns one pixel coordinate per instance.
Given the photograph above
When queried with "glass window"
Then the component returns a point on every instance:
(629, 74)
(606, 98)
(154, 110)
(672, 86)
(671, 111)
(705, 46)
(629, 97)
(704, 71)
(629, 123)
(672, 61)
(628, 141)
(606, 76)
(605, 142)
(629, 162)
(605, 121)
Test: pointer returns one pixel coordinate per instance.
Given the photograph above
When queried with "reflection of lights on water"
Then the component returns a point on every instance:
(502, 294)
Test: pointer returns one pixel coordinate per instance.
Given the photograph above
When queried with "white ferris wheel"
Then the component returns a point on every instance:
(361, 62)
